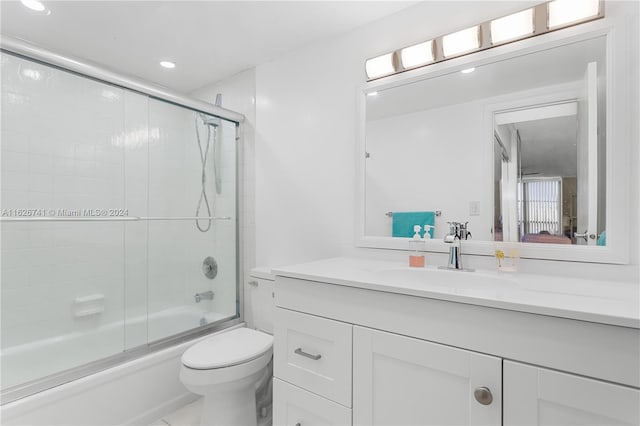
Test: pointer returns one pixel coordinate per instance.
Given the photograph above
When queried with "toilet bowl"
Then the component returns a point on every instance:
(226, 369)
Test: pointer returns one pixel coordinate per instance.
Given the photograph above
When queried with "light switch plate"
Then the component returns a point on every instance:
(474, 208)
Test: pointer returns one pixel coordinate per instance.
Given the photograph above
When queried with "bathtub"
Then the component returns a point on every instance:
(135, 392)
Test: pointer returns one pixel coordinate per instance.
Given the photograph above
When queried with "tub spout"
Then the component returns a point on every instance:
(207, 295)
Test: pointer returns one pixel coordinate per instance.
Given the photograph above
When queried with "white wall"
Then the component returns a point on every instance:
(403, 174)
(306, 122)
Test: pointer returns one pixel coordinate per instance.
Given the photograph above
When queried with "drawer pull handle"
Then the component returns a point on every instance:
(483, 395)
(299, 351)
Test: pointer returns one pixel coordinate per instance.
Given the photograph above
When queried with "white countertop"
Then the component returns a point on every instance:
(606, 302)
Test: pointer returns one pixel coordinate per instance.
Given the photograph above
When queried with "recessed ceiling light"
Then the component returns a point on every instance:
(34, 5)
(468, 70)
(32, 74)
(167, 64)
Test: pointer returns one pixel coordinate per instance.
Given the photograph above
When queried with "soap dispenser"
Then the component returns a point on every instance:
(427, 231)
(416, 260)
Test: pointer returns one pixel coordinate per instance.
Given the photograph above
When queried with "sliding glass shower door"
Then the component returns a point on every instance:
(101, 251)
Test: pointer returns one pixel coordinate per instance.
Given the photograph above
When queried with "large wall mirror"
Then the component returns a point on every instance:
(516, 146)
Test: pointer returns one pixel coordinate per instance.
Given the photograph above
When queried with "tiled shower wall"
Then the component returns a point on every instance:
(73, 143)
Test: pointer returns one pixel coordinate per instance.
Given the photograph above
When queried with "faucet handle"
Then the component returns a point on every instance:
(453, 227)
(465, 234)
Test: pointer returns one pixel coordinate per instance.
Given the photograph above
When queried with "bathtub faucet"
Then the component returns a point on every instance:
(207, 295)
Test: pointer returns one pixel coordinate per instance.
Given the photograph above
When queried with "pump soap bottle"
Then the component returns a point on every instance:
(416, 260)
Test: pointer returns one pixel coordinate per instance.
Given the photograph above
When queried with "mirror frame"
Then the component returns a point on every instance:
(618, 162)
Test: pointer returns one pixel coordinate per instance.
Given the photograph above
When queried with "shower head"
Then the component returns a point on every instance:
(208, 120)
(211, 121)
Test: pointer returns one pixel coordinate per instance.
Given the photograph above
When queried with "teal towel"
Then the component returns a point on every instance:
(403, 223)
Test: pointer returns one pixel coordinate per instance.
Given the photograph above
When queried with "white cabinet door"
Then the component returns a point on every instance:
(537, 396)
(294, 406)
(399, 380)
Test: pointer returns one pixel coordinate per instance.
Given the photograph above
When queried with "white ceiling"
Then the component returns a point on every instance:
(549, 147)
(209, 40)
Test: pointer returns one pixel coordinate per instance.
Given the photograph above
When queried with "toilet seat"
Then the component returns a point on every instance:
(228, 349)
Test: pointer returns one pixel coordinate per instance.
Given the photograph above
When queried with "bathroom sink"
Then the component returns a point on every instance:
(451, 279)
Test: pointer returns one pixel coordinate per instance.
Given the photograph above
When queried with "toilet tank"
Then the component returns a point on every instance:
(259, 300)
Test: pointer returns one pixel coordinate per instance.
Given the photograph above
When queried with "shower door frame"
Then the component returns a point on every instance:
(87, 69)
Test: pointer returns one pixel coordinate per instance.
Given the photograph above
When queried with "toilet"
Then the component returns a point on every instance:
(227, 368)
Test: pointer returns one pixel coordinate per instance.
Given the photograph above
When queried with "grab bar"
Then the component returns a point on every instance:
(108, 219)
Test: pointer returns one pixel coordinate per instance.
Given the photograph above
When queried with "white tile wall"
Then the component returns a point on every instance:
(73, 143)
(56, 153)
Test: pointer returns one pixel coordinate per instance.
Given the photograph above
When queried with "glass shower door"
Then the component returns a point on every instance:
(62, 282)
(101, 251)
(192, 263)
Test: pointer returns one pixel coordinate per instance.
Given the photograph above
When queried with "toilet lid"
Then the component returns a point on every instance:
(227, 349)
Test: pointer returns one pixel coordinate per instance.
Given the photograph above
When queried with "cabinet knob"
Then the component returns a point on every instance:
(483, 395)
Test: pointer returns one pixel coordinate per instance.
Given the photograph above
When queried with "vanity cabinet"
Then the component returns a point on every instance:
(539, 396)
(389, 358)
(407, 381)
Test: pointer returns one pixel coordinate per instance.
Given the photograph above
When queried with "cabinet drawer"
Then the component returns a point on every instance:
(314, 353)
(294, 406)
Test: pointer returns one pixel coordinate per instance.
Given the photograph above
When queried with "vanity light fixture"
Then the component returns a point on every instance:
(564, 12)
(533, 21)
(512, 27)
(380, 66)
(417, 55)
(461, 42)
(167, 64)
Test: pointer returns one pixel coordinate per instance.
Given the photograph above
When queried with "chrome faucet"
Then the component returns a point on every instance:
(207, 295)
(458, 231)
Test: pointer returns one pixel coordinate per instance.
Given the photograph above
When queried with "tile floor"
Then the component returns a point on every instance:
(189, 415)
